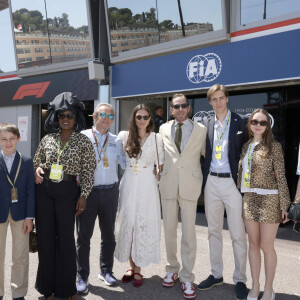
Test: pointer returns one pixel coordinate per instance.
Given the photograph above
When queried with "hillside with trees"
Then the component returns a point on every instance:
(33, 20)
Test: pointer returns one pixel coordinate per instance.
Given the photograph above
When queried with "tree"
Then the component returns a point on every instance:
(166, 24)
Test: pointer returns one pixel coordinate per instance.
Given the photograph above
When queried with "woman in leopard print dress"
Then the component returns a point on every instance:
(261, 178)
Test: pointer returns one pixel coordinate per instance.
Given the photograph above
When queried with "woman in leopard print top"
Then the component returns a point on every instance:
(62, 155)
(261, 178)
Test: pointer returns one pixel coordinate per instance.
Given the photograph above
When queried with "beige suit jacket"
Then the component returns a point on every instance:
(182, 171)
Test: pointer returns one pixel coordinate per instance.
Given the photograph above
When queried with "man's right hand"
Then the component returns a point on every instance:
(38, 175)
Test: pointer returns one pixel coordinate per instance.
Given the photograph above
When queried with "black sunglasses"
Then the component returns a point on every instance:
(146, 118)
(69, 116)
(177, 106)
(261, 123)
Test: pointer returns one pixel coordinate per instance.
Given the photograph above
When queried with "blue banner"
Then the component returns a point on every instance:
(268, 58)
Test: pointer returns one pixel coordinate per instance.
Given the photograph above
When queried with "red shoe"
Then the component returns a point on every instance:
(188, 290)
(169, 279)
(137, 282)
(127, 278)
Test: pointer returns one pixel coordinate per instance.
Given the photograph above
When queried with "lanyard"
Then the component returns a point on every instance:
(103, 147)
(17, 174)
(249, 157)
(220, 138)
(59, 150)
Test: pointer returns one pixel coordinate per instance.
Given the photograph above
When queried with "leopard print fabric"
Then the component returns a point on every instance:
(77, 159)
(267, 172)
(261, 208)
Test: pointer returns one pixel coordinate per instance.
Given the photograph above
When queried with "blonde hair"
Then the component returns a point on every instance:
(217, 87)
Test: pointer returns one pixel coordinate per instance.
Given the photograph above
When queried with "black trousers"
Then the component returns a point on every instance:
(55, 219)
(104, 204)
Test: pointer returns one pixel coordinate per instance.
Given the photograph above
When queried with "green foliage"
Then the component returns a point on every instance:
(33, 20)
(123, 17)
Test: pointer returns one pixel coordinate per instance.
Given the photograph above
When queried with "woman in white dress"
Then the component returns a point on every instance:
(138, 221)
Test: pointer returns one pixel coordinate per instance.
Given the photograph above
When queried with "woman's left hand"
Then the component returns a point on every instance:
(80, 207)
(284, 217)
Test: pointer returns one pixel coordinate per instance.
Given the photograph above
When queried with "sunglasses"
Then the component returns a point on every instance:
(103, 115)
(177, 106)
(139, 117)
(62, 116)
(261, 123)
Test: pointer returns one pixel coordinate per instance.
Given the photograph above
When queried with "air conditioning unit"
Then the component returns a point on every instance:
(96, 70)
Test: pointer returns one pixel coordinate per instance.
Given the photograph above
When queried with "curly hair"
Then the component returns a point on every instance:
(133, 147)
(267, 138)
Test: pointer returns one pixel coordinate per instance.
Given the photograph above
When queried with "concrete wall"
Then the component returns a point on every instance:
(10, 115)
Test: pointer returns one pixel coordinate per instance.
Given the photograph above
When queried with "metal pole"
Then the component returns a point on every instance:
(265, 10)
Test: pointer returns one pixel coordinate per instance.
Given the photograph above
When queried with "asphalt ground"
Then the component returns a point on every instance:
(286, 283)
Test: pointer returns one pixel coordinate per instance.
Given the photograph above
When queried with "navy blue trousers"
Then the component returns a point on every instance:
(104, 204)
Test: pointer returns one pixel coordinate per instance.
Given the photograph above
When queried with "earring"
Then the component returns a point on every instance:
(76, 127)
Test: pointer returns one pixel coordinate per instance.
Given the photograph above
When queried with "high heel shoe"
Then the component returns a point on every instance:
(253, 298)
(138, 282)
(273, 296)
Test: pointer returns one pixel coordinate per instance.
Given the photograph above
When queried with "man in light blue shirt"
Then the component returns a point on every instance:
(102, 201)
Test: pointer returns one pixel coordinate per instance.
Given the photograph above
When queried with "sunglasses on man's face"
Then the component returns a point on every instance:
(261, 123)
(103, 115)
(62, 116)
(177, 106)
(139, 117)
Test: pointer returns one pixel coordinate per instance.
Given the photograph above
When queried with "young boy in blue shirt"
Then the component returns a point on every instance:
(17, 205)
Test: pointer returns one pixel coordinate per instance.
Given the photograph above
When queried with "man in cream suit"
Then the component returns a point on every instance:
(180, 186)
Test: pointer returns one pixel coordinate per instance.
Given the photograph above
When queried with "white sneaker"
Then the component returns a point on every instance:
(169, 279)
(188, 290)
(82, 286)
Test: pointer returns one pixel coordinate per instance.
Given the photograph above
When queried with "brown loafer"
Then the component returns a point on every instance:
(127, 278)
(138, 282)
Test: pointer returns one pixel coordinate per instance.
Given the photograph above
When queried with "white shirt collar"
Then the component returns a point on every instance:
(9, 157)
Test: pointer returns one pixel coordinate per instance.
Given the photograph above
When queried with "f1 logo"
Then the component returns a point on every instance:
(33, 89)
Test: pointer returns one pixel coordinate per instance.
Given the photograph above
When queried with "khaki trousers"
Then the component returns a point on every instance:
(20, 257)
(220, 194)
(188, 240)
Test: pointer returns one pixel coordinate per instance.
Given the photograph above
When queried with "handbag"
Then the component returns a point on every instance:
(33, 247)
(294, 212)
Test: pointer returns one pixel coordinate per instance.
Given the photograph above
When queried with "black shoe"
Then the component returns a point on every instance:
(1, 297)
(241, 291)
(209, 283)
(19, 298)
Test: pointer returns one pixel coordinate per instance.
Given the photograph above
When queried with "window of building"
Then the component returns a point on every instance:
(27, 50)
(181, 24)
(261, 12)
(21, 60)
(20, 51)
(28, 59)
(66, 23)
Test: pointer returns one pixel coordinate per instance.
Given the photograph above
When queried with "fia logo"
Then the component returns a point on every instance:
(204, 68)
